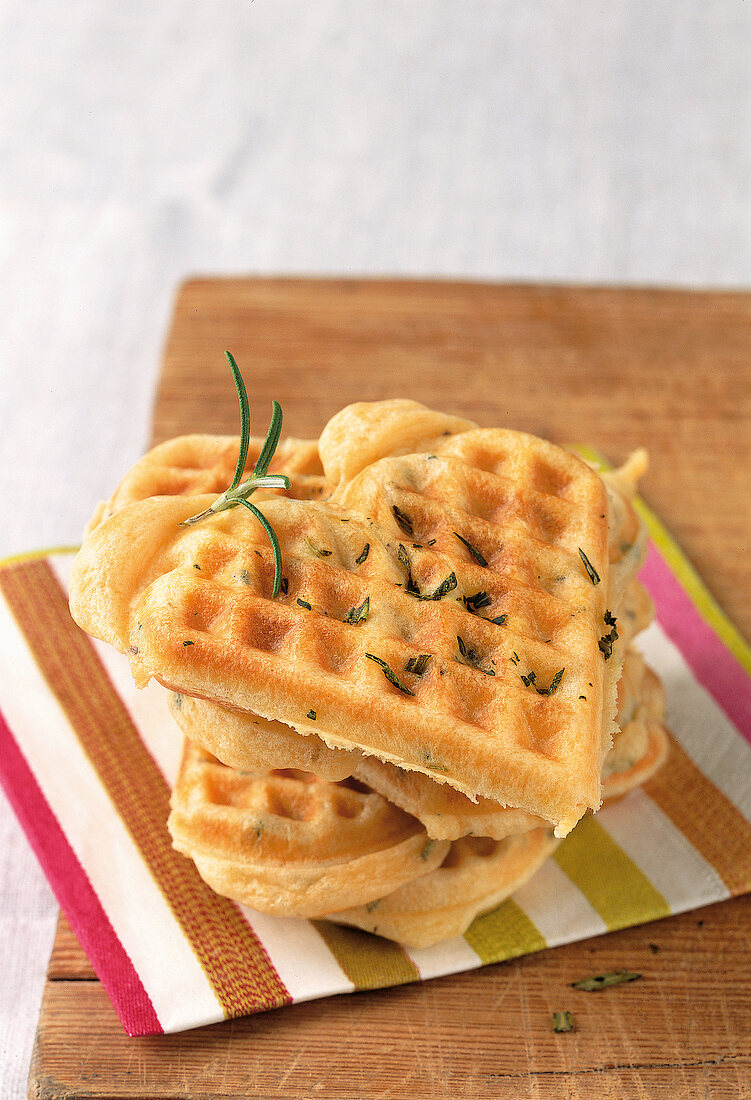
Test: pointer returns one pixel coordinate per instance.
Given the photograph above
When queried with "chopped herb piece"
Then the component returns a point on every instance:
(390, 676)
(603, 981)
(474, 603)
(606, 641)
(311, 714)
(563, 1021)
(412, 587)
(443, 588)
(371, 905)
(196, 566)
(430, 542)
(594, 576)
(419, 664)
(305, 604)
(359, 614)
(189, 643)
(472, 549)
(317, 550)
(472, 658)
(499, 620)
(553, 683)
(363, 554)
(404, 521)
(243, 576)
(284, 586)
(177, 700)
(531, 678)
(583, 697)
(430, 845)
(514, 658)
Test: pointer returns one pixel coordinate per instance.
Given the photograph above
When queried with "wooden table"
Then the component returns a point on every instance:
(615, 368)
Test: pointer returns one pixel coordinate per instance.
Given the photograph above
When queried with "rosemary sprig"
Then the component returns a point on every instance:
(239, 491)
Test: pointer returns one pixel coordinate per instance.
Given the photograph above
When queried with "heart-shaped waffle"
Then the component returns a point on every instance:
(490, 713)
(254, 745)
(475, 876)
(193, 464)
(290, 843)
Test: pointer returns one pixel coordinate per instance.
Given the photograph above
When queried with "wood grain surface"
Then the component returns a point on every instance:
(615, 368)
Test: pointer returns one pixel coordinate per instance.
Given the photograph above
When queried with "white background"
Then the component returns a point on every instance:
(144, 142)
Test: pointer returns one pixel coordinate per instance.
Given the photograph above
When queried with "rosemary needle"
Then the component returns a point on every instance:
(239, 491)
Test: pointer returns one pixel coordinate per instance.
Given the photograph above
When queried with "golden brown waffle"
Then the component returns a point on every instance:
(191, 606)
(530, 504)
(256, 745)
(476, 875)
(193, 464)
(290, 843)
(639, 749)
(642, 746)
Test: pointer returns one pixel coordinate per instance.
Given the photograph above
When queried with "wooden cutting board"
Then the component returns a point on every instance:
(615, 368)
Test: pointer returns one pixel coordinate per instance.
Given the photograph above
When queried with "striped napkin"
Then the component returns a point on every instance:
(87, 762)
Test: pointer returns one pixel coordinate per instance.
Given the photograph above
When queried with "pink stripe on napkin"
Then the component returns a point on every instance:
(714, 666)
(75, 892)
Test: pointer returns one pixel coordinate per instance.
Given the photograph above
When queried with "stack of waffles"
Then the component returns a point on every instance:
(443, 686)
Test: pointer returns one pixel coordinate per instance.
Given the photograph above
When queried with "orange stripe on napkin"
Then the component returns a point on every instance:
(231, 956)
(708, 820)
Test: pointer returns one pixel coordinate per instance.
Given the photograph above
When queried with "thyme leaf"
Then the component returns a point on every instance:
(238, 492)
(390, 675)
(499, 620)
(604, 981)
(594, 576)
(311, 714)
(472, 549)
(363, 554)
